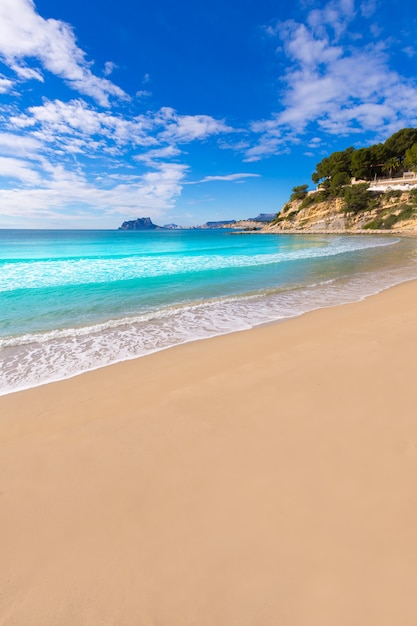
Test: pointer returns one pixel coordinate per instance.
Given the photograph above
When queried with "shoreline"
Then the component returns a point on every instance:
(198, 339)
(295, 231)
(263, 476)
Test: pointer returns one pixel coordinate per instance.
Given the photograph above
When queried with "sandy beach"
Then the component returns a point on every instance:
(267, 477)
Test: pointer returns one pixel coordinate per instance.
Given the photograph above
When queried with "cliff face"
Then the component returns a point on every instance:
(392, 211)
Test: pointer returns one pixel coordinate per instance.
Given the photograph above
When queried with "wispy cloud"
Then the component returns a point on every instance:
(143, 93)
(334, 82)
(152, 157)
(187, 128)
(5, 84)
(410, 51)
(368, 7)
(24, 34)
(152, 193)
(73, 124)
(109, 67)
(19, 146)
(239, 177)
(19, 170)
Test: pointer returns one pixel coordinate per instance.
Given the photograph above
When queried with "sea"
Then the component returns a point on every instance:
(73, 301)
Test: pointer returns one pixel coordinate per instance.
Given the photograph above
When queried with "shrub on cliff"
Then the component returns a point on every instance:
(309, 201)
(413, 196)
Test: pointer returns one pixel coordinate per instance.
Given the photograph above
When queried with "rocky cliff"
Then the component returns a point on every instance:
(142, 223)
(394, 211)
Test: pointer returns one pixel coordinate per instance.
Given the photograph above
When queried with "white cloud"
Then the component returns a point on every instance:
(18, 146)
(152, 194)
(368, 7)
(266, 146)
(25, 34)
(333, 83)
(25, 72)
(152, 156)
(109, 67)
(410, 51)
(303, 47)
(5, 85)
(73, 125)
(76, 127)
(143, 93)
(187, 128)
(335, 14)
(239, 177)
(236, 146)
(17, 169)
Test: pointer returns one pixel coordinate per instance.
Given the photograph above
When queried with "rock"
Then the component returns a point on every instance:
(142, 223)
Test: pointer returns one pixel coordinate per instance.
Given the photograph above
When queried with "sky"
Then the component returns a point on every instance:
(190, 111)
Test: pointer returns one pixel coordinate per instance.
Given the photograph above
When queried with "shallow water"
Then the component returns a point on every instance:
(72, 301)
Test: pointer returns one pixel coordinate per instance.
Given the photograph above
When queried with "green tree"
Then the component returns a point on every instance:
(391, 165)
(323, 171)
(299, 192)
(410, 160)
(367, 162)
(337, 182)
(338, 162)
(398, 144)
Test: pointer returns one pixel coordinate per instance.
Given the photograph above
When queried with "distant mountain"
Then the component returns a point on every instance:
(263, 217)
(220, 224)
(142, 223)
(145, 223)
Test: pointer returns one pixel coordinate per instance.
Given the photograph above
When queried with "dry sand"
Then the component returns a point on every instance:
(259, 479)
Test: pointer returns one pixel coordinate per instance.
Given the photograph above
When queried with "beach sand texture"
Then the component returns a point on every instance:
(262, 478)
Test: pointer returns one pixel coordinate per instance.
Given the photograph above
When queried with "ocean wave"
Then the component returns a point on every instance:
(54, 273)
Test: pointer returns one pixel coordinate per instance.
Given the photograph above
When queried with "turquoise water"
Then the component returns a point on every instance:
(72, 301)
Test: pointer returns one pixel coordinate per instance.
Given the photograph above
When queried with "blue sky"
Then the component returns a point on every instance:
(189, 111)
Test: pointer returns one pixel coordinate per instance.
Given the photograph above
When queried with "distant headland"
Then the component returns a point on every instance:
(252, 223)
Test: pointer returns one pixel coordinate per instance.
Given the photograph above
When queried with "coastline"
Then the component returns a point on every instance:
(334, 231)
(262, 476)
